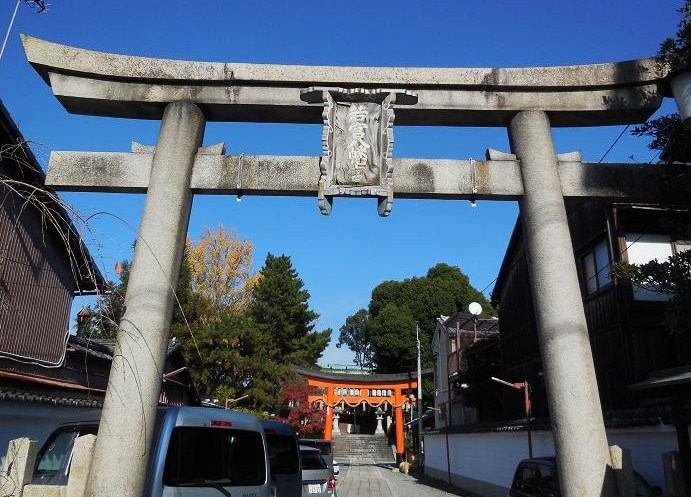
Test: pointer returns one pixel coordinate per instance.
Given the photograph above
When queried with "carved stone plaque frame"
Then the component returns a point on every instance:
(357, 143)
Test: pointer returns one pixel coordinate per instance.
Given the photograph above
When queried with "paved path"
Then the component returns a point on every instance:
(365, 478)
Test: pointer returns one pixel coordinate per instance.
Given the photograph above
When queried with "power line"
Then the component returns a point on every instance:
(614, 143)
(616, 140)
(39, 4)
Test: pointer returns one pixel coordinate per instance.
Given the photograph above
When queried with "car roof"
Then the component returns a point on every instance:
(542, 459)
(278, 427)
(307, 448)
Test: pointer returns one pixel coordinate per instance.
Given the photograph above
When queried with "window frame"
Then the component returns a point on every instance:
(599, 277)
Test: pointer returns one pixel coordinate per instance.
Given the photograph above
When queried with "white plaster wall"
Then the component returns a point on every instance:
(647, 444)
(492, 457)
(36, 421)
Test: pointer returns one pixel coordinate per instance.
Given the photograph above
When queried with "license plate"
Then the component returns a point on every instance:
(314, 488)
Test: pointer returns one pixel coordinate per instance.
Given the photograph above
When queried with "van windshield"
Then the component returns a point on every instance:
(312, 460)
(224, 456)
(284, 458)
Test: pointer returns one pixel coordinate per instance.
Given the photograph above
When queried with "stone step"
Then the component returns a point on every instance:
(346, 447)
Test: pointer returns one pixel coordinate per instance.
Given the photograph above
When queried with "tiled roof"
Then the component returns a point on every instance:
(53, 397)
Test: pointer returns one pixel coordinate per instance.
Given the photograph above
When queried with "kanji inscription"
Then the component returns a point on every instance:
(357, 143)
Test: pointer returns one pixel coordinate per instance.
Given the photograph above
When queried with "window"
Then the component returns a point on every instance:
(595, 264)
(312, 460)
(682, 245)
(53, 461)
(283, 454)
(526, 479)
(642, 248)
(545, 482)
(228, 457)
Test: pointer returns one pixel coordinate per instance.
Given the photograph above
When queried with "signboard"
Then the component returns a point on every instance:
(357, 143)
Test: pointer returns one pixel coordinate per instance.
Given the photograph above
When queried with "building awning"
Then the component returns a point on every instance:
(665, 378)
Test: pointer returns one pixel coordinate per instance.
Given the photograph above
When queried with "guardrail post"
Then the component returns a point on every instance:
(81, 464)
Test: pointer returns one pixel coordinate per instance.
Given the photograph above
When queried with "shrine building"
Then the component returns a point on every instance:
(363, 403)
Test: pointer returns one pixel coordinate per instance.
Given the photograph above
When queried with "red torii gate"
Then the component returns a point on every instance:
(376, 390)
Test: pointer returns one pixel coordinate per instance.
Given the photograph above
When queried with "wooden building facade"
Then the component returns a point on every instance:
(627, 335)
(43, 261)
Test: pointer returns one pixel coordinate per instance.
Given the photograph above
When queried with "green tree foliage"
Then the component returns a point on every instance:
(229, 355)
(667, 133)
(672, 277)
(669, 136)
(480, 362)
(392, 335)
(280, 308)
(675, 52)
(353, 335)
(396, 306)
(229, 358)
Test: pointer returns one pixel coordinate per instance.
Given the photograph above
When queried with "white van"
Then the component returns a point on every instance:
(195, 449)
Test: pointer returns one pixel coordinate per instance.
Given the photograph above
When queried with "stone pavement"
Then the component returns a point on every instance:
(365, 478)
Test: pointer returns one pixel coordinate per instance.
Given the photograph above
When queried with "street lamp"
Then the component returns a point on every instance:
(525, 386)
(411, 405)
(231, 401)
(475, 309)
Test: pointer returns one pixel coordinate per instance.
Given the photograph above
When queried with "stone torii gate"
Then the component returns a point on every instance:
(357, 106)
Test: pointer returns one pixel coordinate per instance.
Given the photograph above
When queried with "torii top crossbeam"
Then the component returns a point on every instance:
(106, 84)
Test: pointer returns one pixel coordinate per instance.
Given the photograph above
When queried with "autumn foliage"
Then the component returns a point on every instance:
(307, 419)
(240, 330)
(221, 267)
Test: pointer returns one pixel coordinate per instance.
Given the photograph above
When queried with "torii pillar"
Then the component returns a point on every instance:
(329, 421)
(398, 422)
(142, 339)
(572, 395)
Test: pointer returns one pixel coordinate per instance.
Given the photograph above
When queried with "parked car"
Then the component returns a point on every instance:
(318, 479)
(324, 447)
(194, 447)
(55, 457)
(539, 477)
(284, 458)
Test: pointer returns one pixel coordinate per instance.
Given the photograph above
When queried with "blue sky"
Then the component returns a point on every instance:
(342, 257)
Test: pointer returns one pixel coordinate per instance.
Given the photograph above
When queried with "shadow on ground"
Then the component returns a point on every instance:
(422, 479)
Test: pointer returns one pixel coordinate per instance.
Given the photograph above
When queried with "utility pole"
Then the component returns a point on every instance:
(419, 391)
(39, 4)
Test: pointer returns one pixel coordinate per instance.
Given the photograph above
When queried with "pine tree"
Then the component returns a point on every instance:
(280, 307)
(230, 358)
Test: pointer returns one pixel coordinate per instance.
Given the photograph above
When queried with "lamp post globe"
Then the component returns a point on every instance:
(475, 309)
